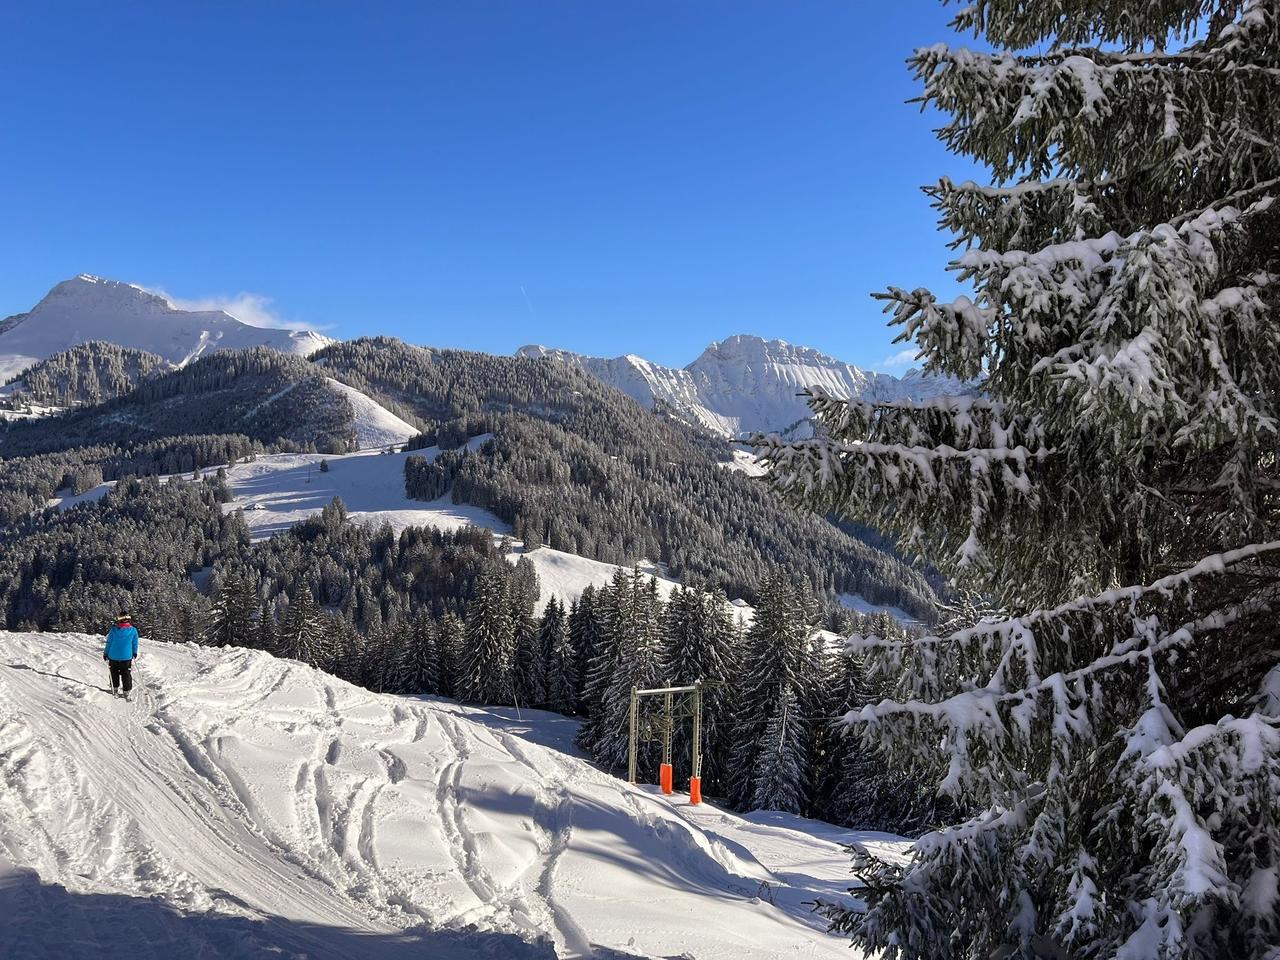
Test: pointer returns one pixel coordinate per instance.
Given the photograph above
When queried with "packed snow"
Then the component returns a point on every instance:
(746, 384)
(92, 308)
(247, 806)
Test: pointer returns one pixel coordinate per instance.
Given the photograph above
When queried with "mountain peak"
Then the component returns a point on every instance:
(88, 307)
(749, 348)
(746, 384)
(99, 292)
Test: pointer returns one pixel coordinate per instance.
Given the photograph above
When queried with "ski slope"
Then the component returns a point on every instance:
(244, 806)
(374, 424)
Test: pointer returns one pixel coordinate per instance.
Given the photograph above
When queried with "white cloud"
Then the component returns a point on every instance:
(254, 309)
(903, 358)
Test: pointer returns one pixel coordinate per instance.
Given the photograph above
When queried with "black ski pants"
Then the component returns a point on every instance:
(121, 672)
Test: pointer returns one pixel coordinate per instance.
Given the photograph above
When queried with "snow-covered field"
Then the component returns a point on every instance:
(277, 491)
(859, 604)
(34, 411)
(244, 806)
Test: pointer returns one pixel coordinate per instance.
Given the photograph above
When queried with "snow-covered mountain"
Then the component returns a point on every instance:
(747, 384)
(245, 806)
(91, 308)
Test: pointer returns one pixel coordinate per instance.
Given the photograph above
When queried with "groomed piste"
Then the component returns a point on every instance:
(248, 806)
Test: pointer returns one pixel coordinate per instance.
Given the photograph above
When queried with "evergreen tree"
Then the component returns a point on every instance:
(584, 636)
(1113, 488)
(529, 665)
(303, 632)
(231, 619)
(268, 637)
(779, 661)
(608, 608)
(558, 655)
(486, 673)
(450, 636)
(701, 641)
(418, 663)
(779, 776)
(633, 625)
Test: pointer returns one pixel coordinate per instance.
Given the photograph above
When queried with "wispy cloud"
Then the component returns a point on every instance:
(899, 360)
(255, 309)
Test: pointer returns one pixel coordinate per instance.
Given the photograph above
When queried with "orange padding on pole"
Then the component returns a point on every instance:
(695, 789)
(664, 777)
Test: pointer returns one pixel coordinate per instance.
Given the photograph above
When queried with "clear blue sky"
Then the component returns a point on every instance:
(600, 175)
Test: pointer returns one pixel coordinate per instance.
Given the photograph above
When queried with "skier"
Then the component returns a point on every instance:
(120, 650)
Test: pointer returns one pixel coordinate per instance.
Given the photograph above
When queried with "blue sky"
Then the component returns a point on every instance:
(599, 175)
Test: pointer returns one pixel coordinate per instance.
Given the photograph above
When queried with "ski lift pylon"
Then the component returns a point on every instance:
(665, 773)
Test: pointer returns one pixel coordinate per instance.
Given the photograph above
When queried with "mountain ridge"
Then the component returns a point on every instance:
(88, 307)
(746, 384)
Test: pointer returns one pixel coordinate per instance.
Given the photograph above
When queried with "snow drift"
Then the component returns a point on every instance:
(244, 805)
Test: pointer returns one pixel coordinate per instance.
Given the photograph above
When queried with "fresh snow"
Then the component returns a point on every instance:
(860, 604)
(31, 411)
(745, 384)
(247, 806)
(91, 308)
(565, 575)
(744, 462)
(375, 425)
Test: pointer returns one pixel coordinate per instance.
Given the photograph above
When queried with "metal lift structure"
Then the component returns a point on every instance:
(690, 704)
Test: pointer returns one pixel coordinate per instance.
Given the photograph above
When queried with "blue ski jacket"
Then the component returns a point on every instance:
(122, 643)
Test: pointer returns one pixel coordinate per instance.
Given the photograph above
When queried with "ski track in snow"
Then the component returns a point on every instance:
(247, 806)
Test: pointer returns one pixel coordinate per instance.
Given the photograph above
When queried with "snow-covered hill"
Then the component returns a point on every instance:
(90, 308)
(279, 490)
(244, 806)
(746, 384)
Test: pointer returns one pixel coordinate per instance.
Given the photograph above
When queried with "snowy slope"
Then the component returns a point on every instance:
(746, 384)
(91, 308)
(246, 806)
(279, 490)
(375, 425)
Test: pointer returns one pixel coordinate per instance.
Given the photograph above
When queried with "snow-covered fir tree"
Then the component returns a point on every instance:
(268, 635)
(528, 664)
(780, 659)
(303, 632)
(417, 667)
(596, 625)
(558, 655)
(1114, 487)
(858, 787)
(450, 637)
(486, 671)
(584, 636)
(630, 657)
(779, 777)
(233, 614)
